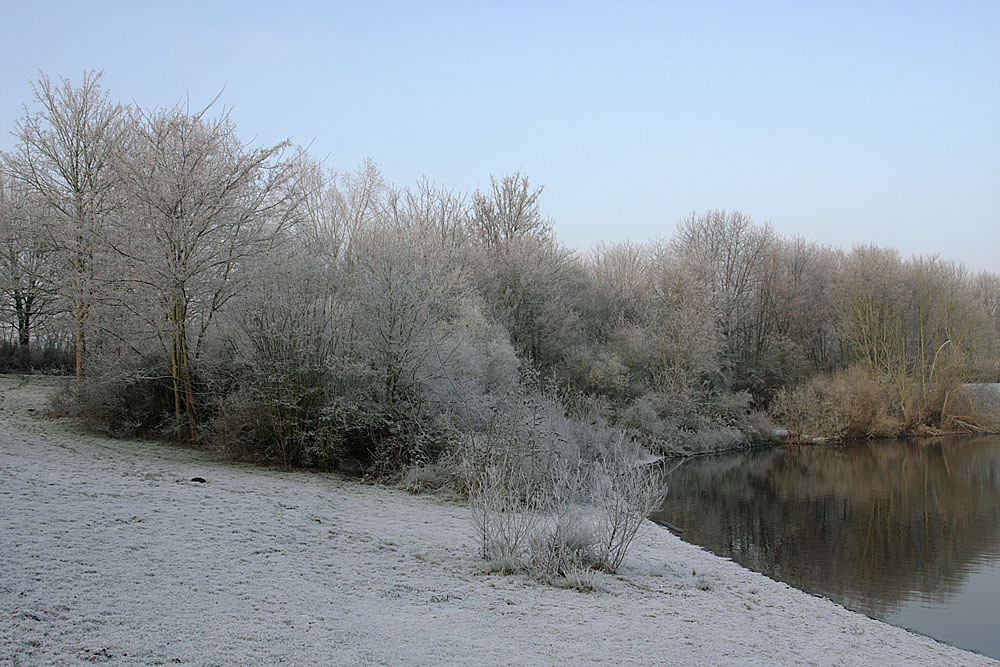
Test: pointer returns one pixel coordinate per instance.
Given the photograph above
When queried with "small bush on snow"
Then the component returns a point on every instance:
(555, 516)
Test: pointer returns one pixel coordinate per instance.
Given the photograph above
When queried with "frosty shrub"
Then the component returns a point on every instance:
(848, 403)
(506, 506)
(563, 544)
(595, 372)
(674, 424)
(806, 414)
(863, 403)
(564, 539)
(760, 428)
(242, 428)
(441, 476)
(431, 352)
(556, 515)
(624, 492)
(713, 440)
(283, 340)
(48, 357)
(510, 464)
(125, 401)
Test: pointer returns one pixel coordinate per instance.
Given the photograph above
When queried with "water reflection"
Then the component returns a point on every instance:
(895, 529)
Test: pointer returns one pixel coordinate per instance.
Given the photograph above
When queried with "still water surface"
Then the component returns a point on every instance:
(907, 531)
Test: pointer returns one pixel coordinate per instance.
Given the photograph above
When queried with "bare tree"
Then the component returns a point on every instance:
(680, 334)
(871, 315)
(987, 290)
(202, 205)
(730, 251)
(948, 329)
(535, 284)
(508, 212)
(66, 154)
(625, 274)
(27, 272)
(405, 293)
(435, 212)
(799, 296)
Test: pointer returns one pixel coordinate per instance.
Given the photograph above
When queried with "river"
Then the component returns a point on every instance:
(907, 531)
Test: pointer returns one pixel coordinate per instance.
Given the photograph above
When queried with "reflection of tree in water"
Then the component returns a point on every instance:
(870, 524)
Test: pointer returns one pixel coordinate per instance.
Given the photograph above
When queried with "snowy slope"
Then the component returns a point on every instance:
(109, 552)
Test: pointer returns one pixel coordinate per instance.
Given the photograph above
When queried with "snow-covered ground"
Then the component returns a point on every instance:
(109, 552)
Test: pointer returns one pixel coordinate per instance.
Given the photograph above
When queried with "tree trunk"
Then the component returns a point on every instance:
(79, 345)
(180, 371)
(24, 340)
(22, 306)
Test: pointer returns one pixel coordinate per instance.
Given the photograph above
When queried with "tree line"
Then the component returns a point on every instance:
(251, 299)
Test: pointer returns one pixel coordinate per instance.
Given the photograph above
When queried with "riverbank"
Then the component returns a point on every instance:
(110, 552)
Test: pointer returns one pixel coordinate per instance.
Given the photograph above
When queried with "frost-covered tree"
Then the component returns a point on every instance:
(535, 285)
(28, 274)
(508, 212)
(67, 153)
(730, 252)
(201, 206)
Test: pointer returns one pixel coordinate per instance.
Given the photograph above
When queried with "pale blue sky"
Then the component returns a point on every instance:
(841, 122)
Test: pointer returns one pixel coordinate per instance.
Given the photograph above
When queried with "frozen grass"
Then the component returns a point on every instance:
(110, 553)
